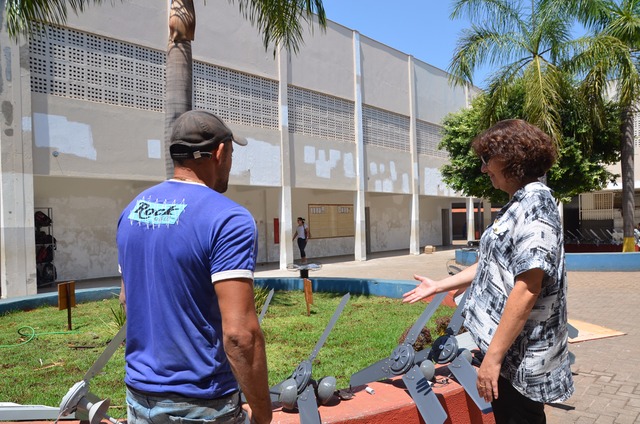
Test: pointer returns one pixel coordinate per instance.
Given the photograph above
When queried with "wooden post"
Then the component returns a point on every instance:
(67, 299)
(308, 295)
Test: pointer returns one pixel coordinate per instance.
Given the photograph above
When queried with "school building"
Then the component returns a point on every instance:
(344, 133)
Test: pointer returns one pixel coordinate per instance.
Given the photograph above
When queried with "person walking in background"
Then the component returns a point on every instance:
(187, 256)
(516, 309)
(302, 234)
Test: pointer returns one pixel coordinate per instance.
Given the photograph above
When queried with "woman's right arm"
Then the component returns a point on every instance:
(428, 287)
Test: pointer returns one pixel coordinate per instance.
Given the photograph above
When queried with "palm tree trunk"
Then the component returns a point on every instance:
(179, 72)
(628, 189)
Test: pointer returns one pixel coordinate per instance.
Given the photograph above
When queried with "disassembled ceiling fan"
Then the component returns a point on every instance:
(418, 369)
(300, 389)
(80, 399)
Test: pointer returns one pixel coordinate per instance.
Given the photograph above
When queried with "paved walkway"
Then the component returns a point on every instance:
(606, 371)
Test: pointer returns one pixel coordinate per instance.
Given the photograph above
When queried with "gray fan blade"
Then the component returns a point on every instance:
(425, 398)
(308, 406)
(466, 375)
(457, 319)
(263, 312)
(329, 327)
(413, 334)
(106, 354)
(421, 355)
(274, 392)
(374, 372)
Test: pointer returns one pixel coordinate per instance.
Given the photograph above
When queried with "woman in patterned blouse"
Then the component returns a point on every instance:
(516, 309)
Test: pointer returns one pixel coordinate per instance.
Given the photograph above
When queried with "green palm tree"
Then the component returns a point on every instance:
(279, 21)
(609, 55)
(525, 41)
(530, 42)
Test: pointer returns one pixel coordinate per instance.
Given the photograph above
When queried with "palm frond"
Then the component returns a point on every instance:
(504, 12)
(479, 46)
(501, 86)
(23, 16)
(280, 21)
(542, 97)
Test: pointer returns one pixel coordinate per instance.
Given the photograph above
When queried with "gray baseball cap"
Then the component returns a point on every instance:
(199, 131)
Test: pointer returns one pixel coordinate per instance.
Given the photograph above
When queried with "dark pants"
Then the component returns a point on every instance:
(302, 243)
(512, 407)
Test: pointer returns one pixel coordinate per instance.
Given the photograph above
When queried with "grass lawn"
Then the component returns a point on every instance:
(40, 360)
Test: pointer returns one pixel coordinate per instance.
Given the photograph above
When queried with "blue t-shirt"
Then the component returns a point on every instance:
(175, 240)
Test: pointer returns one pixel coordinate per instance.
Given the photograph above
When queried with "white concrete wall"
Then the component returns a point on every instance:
(258, 163)
(325, 62)
(388, 171)
(431, 219)
(385, 77)
(431, 183)
(390, 221)
(323, 163)
(83, 139)
(435, 97)
(85, 218)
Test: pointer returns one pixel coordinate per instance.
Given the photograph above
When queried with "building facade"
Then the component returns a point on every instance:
(343, 133)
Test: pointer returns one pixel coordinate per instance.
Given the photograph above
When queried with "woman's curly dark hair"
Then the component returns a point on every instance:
(527, 151)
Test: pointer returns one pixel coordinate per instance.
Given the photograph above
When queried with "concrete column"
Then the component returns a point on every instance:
(487, 214)
(17, 232)
(414, 241)
(360, 248)
(286, 164)
(470, 220)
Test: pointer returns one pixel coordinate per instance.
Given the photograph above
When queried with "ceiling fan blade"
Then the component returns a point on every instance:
(413, 334)
(422, 355)
(263, 312)
(573, 331)
(329, 327)
(106, 354)
(425, 398)
(457, 319)
(467, 376)
(375, 372)
(274, 391)
(308, 406)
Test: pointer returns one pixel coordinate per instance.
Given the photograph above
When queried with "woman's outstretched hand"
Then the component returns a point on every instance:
(426, 288)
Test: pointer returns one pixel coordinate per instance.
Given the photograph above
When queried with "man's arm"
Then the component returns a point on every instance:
(244, 344)
(123, 297)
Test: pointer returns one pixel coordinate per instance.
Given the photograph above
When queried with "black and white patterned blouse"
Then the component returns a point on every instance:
(526, 234)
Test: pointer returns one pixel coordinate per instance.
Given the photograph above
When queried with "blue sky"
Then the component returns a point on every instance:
(421, 28)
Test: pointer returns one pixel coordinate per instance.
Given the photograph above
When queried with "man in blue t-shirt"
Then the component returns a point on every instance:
(187, 256)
